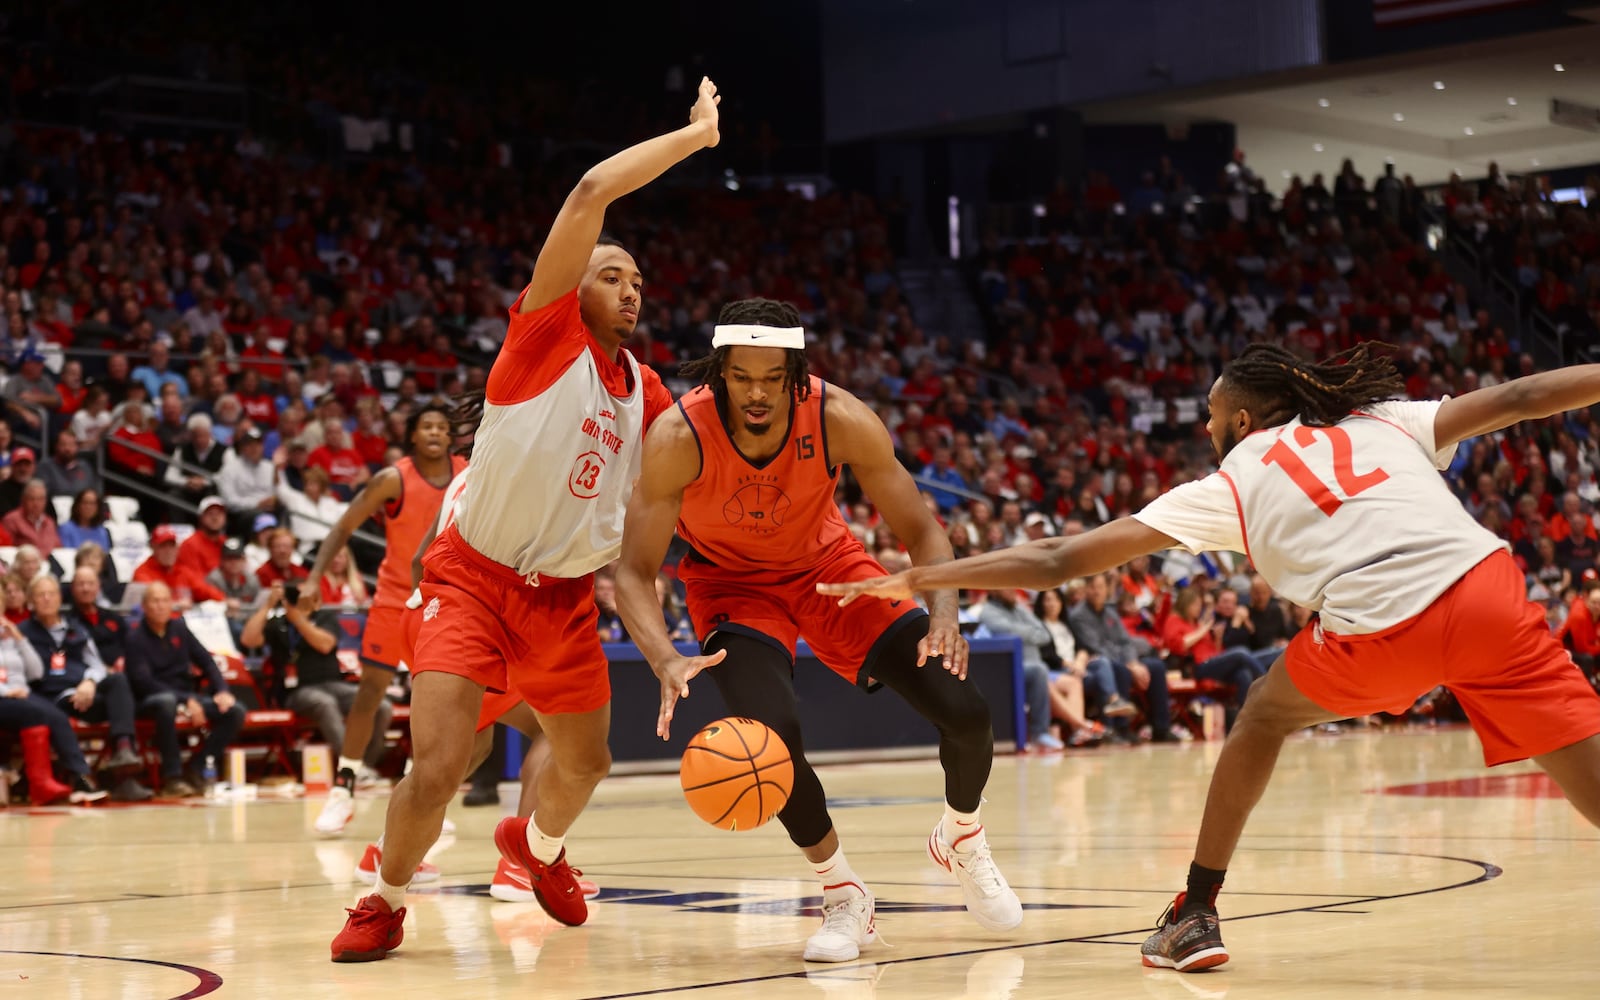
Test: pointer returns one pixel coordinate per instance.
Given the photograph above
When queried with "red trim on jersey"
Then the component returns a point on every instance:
(1391, 423)
(1238, 505)
(539, 348)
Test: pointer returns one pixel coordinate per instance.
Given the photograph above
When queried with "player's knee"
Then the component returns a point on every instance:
(966, 715)
(434, 782)
(588, 765)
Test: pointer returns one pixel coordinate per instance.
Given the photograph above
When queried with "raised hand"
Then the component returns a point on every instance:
(705, 111)
(675, 675)
(888, 588)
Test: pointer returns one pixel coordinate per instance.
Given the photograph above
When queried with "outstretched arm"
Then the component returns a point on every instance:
(671, 463)
(572, 236)
(857, 438)
(381, 489)
(1033, 566)
(1531, 397)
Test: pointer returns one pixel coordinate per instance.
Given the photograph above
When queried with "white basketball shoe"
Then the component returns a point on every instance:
(989, 898)
(336, 812)
(847, 927)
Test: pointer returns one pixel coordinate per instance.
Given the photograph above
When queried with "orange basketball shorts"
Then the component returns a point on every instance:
(782, 605)
(1484, 641)
(387, 638)
(481, 620)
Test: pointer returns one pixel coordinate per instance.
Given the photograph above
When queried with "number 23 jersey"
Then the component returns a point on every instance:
(555, 458)
(1351, 520)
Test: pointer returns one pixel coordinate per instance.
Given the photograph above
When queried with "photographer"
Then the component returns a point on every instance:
(304, 650)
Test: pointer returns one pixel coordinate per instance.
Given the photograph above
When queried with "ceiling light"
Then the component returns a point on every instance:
(1399, 117)
(1467, 130)
(1316, 147)
(1511, 101)
(1560, 68)
(1438, 85)
(1323, 102)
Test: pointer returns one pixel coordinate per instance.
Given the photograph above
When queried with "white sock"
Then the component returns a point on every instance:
(956, 825)
(351, 764)
(541, 845)
(394, 895)
(839, 881)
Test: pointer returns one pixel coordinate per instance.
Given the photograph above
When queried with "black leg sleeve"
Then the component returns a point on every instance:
(757, 682)
(954, 706)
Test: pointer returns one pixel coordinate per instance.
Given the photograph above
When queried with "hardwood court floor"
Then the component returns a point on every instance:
(1464, 888)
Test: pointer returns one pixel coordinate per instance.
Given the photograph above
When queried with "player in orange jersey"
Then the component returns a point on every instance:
(1330, 484)
(745, 469)
(408, 494)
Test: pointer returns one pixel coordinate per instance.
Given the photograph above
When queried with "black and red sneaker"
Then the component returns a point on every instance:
(555, 884)
(1185, 942)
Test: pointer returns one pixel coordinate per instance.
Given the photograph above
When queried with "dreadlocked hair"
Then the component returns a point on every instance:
(752, 312)
(465, 415)
(1278, 386)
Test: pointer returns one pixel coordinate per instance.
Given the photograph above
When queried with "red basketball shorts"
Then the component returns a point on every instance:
(481, 620)
(1484, 641)
(387, 638)
(781, 606)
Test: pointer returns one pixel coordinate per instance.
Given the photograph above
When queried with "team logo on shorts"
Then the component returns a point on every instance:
(757, 507)
(431, 612)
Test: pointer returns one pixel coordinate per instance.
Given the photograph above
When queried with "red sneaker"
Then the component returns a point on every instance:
(511, 885)
(372, 860)
(372, 931)
(555, 885)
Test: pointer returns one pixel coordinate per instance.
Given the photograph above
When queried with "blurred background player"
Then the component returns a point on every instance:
(409, 495)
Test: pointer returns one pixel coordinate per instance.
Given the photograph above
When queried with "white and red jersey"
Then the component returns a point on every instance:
(447, 507)
(1351, 520)
(558, 450)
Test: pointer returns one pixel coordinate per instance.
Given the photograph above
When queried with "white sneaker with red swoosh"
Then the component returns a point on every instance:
(511, 885)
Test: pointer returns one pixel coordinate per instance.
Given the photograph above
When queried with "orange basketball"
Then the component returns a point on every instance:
(736, 774)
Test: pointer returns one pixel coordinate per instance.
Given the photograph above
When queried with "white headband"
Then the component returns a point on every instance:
(790, 338)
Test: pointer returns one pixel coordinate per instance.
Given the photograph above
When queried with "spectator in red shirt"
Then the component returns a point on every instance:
(188, 586)
(339, 459)
(280, 565)
(31, 523)
(257, 401)
(202, 551)
(1580, 631)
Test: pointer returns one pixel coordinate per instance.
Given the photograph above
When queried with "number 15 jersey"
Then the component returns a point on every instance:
(1351, 520)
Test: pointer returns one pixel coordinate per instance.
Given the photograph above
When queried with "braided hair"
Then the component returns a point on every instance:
(752, 312)
(465, 416)
(1276, 386)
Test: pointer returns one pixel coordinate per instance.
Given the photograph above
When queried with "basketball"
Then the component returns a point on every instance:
(736, 774)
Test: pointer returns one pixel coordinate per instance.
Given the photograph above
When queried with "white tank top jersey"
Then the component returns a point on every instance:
(558, 450)
(1352, 520)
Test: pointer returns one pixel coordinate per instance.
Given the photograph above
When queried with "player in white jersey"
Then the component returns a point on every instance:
(1330, 484)
(507, 590)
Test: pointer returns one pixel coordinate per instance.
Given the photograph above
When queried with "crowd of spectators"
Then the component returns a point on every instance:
(233, 333)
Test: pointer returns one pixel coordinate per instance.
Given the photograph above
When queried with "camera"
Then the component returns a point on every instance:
(291, 593)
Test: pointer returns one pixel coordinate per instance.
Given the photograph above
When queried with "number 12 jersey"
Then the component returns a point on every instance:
(1351, 520)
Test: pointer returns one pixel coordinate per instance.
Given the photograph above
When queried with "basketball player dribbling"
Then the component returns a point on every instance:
(508, 590)
(1330, 484)
(409, 494)
(745, 469)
